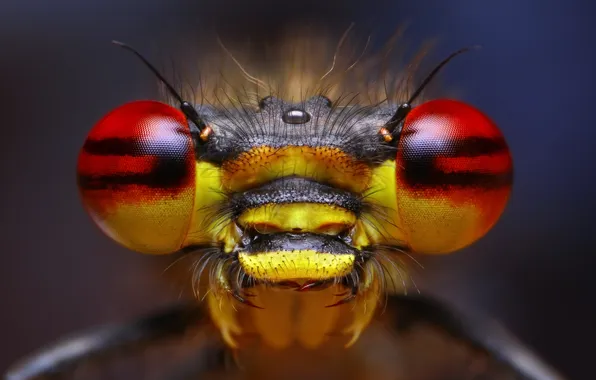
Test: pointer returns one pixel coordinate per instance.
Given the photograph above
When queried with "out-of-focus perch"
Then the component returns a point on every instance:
(414, 338)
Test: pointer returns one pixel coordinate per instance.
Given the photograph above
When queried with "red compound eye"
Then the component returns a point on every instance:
(136, 175)
(454, 174)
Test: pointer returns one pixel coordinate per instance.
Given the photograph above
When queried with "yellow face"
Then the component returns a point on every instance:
(295, 195)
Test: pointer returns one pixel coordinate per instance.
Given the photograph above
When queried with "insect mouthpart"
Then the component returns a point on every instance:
(282, 257)
(297, 229)
(297, 192)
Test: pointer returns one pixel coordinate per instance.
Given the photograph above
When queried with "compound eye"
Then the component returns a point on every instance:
(454, 174)
(136, 176)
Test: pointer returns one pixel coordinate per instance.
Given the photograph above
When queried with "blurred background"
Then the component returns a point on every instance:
(535, 77)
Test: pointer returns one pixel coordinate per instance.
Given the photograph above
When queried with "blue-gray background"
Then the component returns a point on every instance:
(535, 77)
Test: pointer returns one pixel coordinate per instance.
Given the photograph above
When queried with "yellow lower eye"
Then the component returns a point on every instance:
(454, 175)
(136, 175)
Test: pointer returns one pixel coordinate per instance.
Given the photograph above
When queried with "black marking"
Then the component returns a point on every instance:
(294, 190)
(305, 241)
(424, 174)
(420, 154)
(169, 173)
(114, 146)
(176, 145)
(478, 146)
(416, 145)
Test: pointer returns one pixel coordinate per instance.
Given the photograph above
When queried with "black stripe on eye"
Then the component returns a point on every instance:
(419, 154)
(176, 144)
(114, 146)
(476, 146)
(168, 173)
(420, 175)
(414, 146)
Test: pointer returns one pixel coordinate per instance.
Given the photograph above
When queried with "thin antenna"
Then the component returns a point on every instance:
(405, 108)
(189, 111)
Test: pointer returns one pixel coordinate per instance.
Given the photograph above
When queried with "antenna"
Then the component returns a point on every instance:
(405, 108)
(189, 111)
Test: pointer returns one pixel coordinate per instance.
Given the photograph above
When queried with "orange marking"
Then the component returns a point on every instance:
(324, 164)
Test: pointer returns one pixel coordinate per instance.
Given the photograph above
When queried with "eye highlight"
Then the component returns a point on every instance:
(136, 176)
(454, 174)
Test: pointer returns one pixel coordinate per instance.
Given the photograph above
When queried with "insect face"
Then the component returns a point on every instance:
(302, 195)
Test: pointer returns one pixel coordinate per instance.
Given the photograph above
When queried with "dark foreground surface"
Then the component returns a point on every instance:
(413, 338)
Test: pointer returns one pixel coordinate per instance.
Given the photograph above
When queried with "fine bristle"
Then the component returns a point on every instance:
(307, 62)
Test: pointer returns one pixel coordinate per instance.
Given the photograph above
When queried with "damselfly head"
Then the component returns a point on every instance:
(297, 192)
